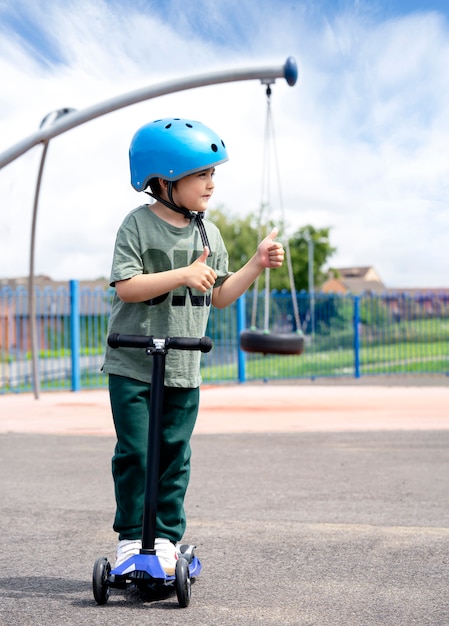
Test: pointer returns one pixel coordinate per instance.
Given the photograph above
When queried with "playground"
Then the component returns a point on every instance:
(309, 503)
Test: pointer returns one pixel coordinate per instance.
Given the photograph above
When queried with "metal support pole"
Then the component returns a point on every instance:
(75, 334)
(53, 116)
(241, 325)
(310, 255)
(356, 325)
(31, 288)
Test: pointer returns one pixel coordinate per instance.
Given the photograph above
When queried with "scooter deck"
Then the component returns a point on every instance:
(145, 570)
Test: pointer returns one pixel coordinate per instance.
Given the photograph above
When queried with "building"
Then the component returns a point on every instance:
(403, 303)
(52, 310)
(355, 280)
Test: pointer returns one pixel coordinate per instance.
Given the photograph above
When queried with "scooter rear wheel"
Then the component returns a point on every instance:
(102, 569)
(183, 583)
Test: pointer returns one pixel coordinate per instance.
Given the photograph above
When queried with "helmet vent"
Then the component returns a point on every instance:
(214, 147)
(168, 126)
(189, 125)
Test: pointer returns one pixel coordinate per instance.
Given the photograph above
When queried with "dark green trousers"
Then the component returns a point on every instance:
(130, 403)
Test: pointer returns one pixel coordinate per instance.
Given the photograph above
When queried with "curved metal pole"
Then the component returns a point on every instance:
(288, 71)
(31, 291)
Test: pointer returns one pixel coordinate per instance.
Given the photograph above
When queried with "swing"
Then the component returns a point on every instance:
(266, 341)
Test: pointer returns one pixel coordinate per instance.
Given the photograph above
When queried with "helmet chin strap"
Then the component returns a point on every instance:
(190, 215)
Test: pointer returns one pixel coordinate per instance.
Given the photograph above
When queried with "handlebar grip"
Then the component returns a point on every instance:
(116, 340)
(190, 343)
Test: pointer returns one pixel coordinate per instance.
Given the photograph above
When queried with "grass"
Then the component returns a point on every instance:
(404, 358)
(414, 347)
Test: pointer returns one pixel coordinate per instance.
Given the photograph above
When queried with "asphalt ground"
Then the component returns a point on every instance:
(309, 505)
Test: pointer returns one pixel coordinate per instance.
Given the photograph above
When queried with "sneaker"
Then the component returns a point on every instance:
(166, 552)
(127, 548)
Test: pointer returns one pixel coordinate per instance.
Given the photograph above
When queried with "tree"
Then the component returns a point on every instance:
(239, 235)
(299, 250)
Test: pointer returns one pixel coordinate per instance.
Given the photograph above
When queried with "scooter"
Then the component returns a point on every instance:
(142, 573)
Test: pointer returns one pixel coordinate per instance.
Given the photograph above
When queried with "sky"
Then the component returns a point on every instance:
(361, 140)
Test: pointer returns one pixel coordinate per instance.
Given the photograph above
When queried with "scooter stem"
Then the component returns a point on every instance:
(153, 450)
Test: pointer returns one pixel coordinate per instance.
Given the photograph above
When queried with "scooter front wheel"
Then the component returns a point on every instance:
(183, 583)
(102, 569)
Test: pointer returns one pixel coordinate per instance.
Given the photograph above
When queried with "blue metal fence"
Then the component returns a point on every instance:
(344, 336)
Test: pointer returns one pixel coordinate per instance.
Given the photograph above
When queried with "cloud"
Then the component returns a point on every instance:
(361, 140)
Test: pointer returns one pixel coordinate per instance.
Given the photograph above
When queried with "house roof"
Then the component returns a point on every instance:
(358, 285)
(352, 285)
(353, 272)
(354, 279)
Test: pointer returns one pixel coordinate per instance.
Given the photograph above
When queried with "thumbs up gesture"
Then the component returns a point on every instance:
(270, 253)
(199, 275)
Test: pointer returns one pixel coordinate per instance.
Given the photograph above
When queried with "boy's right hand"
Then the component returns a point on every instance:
(200, 276)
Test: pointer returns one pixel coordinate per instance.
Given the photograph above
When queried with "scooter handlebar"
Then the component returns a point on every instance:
(189, 343)
(116, 340)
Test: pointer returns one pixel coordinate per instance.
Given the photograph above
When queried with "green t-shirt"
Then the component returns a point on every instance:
(146, 244)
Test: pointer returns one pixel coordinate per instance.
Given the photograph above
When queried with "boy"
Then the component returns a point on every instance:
(169, 266)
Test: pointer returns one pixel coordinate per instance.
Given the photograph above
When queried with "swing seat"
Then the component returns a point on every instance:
(264, 342)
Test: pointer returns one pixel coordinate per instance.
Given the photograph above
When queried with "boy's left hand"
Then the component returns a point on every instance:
(270, 253)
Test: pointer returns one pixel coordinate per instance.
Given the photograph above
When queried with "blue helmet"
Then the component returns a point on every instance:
(171, 149)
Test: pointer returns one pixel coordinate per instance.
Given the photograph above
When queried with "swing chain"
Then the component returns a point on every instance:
(270, 142)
